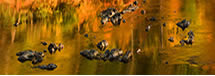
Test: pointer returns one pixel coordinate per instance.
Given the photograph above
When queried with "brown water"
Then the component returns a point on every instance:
(129, 36)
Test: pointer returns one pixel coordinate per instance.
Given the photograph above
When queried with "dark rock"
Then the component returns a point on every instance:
(106, 55)
(171, 39)
(90, 54)
(183, 24)
(115, 54)
(116, 19)
(52, 48)
(135, 2)
(142, 12)
(85, 35)
(29, 55)
(102, 45)
(164, 24)
(47, 67)
(182, 42)
(60, 46)
(44, 51)
(123, 21)
(126, 57)
(44, 43)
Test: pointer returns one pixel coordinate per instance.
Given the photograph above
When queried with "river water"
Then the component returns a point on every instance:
(158, 56)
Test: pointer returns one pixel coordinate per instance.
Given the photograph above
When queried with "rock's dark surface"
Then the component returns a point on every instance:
(52, 48)
(29, 55)
(47, 67)
(183, 24)
(102, 45)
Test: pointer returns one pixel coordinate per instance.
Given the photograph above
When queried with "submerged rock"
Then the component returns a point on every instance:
(29, 55)
(47, 67)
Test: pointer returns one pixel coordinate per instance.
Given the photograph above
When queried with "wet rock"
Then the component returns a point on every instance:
(29, 55)
(102, 45)
(47, 67)
(190, 33)
(130, 8)
(182, 42)
(148, 28)
(171, 39)
(85, 35)
(183, 24)
(135, 2)
(126, 57)
(107, 14)
(106, 55)
(111, 14)
(164, 24)
(90, 54)
(44, 43)
(142, 12)
(104, 20)
(115, 54)
(190, 39)
(116, 19)
(60, 46)
(52, 48)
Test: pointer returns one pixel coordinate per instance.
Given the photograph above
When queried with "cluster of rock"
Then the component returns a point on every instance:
(183, 25)
(29, 55)
(113, 15)
(113, 55)
(37, 57)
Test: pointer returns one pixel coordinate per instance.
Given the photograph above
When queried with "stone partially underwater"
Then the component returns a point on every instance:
(113, 55)
(114, 16)
(29, 55)
(46, 67)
